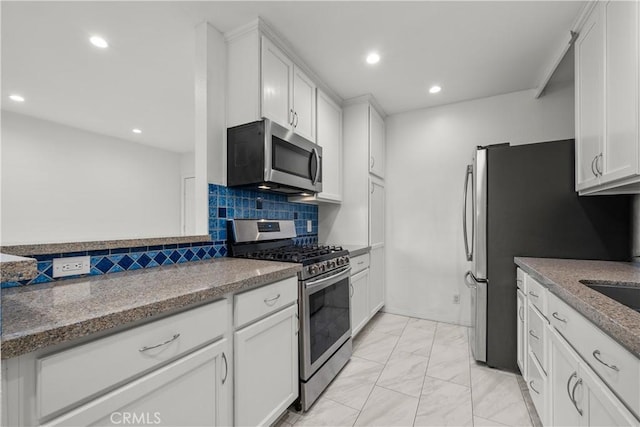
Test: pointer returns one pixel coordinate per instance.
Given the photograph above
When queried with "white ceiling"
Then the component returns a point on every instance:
(145, 78)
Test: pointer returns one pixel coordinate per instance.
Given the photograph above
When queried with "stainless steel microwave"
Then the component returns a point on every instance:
(266, 156)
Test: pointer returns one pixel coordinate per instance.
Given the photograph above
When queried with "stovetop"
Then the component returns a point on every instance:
(302, 254)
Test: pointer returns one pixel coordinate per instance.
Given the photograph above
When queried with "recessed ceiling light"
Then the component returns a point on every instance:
(435, 89)
(16, 98)
(373, 58)
(99, 42)
(136, 130)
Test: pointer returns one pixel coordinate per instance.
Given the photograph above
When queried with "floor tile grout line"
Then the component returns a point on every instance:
(375, 384)
(435, 333)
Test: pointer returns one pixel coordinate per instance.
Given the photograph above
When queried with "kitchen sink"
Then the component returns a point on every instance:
(627, 293)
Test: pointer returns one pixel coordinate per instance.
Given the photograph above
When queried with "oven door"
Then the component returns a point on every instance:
(325, 317)
(292, 160)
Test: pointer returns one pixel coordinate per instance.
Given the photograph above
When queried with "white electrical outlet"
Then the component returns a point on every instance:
(456, 298)
(309, 226)
(72, 266)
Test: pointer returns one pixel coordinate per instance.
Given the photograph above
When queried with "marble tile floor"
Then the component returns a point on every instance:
(413, 372)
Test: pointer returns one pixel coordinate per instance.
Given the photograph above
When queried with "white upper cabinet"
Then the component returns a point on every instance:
(304, 105)
(277, 75)
(607, 91)
(329, 137)
(376, 143)
(264, 81)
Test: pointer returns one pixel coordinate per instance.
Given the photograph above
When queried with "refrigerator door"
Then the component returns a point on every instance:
(478, 330)
(479, 246)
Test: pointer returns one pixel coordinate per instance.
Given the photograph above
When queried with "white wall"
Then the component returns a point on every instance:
(427, 152)
(62, 184)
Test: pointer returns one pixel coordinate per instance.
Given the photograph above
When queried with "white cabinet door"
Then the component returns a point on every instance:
(620, 153)
(565, 377)
(266, 368)
(329, 137)
(376, 280)
(277, 74)
(522, 337)
(589, 81)
(376, 143)
(304, 105)
(359, 301)
(192, 391)
(376, 212)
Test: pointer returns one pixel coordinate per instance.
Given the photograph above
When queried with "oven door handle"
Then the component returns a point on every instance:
(318, 284)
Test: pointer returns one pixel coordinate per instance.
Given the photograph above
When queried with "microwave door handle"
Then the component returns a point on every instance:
(316, 175)
(469, 173)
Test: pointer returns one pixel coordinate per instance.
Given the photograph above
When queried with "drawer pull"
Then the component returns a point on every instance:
(351, 285)
(521, 313)
(533, 388)
(596, 355)
(226, 368)
(557, 317)
(361, 262)
(534, 294)
(170, 340)
(533, 334)
(573, 396)
(271, 301)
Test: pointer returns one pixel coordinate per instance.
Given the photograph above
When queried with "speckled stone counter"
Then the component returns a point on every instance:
(562, 278)
(355, 250)
(38, 316)
(14, 268)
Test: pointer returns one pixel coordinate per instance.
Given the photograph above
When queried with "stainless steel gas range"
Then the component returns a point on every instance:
(324, 308)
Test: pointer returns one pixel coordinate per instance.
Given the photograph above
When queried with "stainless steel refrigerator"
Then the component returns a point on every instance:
(521, 201)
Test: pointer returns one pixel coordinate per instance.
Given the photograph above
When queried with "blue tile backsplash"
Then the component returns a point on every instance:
(224, 203)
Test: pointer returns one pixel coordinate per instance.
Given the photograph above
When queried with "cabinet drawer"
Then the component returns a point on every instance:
(537, 383)
(618, 368)
(66, 377)
(536, 335)
(359, 263)
(537, 294)
(259, 302)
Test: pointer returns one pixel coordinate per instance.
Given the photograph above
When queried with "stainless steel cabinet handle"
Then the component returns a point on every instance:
(532, 387)
(291, 117)
(352, 291)
(361, 262)
(534, 295)
(574, 375)
(373, 161)
(521, 313)
(557, 317)
(593, 171)
(533, 334)
(271, 300)
(170, 340)
(226, 368)
(297, 323)
(295, 117)
(596, 355)
(573, 396)
(598, 169)
(468, 250)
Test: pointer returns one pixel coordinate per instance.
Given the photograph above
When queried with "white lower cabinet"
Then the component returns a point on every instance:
(376, 281)
(521, 334)
(158, 398)
(579, 397)
(266, 368)
(359, 301)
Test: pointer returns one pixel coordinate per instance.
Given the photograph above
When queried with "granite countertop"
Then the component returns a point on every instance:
(38, 316)
(562, 277)
(14, 268)
(355, 250)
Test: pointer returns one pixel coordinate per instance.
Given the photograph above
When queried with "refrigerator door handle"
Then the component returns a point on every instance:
(468, 250)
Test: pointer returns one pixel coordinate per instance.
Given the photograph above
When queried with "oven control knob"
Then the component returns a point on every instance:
(346, 259)
(332, 264)
(313, 269)
(322, 267)
(340, 260)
